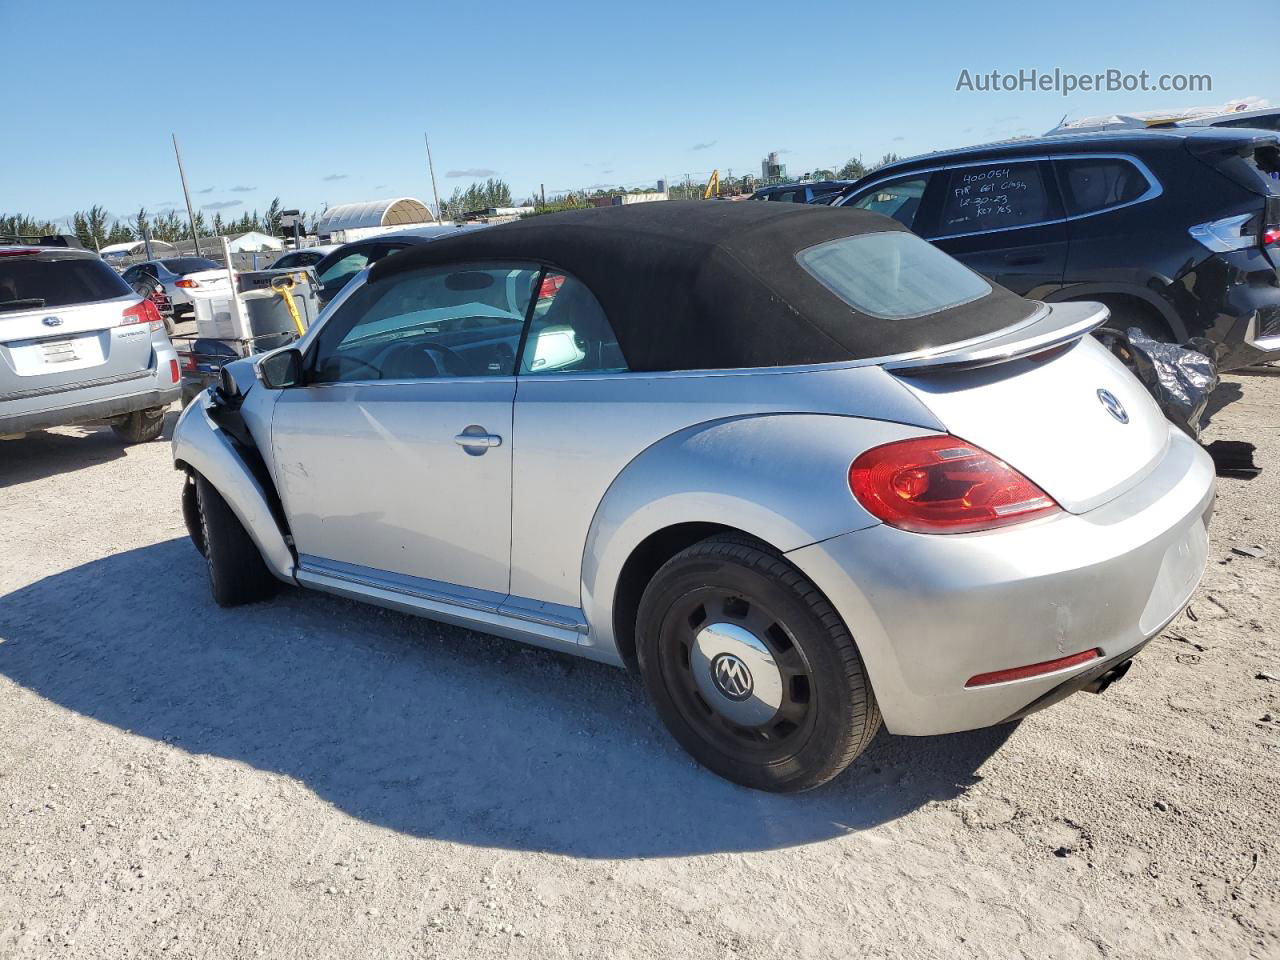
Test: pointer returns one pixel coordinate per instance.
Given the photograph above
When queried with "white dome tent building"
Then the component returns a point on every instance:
(351, 221)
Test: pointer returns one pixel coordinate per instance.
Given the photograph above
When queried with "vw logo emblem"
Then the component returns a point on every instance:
(52, 321)
(1113, 406)
(731, 676)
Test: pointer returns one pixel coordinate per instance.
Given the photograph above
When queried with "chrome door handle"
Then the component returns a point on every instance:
(478, 440)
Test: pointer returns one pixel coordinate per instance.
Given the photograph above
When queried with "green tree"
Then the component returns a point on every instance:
(271, 222)
(90, 226)
(479, 196)
(140, 222)
(854, 169)
(886, 159)
(120, 233)
(23, 225)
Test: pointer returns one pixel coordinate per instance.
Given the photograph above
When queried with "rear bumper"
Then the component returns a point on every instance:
(1236, 304)
(930, 612)
(95, 400)
(83, 412)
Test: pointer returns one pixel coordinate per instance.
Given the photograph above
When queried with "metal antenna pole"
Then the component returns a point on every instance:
(432, 167)
(191, 217)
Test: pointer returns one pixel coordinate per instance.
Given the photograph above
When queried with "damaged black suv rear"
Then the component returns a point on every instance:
(1176, 230)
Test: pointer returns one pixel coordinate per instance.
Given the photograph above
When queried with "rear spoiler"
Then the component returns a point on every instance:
(1249, 161)
(51, 240)
(1054, 325)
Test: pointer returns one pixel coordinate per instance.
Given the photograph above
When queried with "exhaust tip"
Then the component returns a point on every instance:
(1099, 684)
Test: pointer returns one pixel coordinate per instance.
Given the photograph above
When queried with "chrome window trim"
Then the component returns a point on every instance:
(1154, 187)
(303, 342)
(1033, 317)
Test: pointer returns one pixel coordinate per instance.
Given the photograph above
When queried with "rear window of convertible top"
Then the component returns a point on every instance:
(893, 275)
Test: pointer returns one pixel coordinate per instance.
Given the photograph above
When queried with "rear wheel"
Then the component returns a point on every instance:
(751, 669)
(140, 426)
(237, 573)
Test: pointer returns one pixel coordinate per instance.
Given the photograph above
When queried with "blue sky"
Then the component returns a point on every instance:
(570, 94)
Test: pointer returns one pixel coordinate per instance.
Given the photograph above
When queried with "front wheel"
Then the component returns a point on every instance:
(237, 573)
(751, 669)
(140, 426)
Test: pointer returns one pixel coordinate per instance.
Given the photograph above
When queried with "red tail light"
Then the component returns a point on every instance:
(1271, 236)
(550, 285)
(188, 362)
(173, 371)
(186, 284)
(20, 252)
(941, 484)
(143, 312)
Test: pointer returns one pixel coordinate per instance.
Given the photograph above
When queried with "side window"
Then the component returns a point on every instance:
(383, 250)
(569, 332)
(786, 196)
(1090, 184)
(994, 196)
(454, 321)
(899, 199)
(340, 272)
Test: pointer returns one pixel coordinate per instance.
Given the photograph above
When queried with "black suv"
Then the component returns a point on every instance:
(1177, 230)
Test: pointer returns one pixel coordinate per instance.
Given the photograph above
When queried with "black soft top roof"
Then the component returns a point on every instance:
(694, 285)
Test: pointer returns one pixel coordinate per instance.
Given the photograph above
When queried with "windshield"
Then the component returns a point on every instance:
(892, 276)
(303, 259)
(185, 265)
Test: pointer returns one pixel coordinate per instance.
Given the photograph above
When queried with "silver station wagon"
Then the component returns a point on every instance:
(802, 471)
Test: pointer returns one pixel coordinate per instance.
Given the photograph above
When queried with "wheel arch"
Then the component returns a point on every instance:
(779, 479)
(645, 560)
(1113, 294)
(200, 446)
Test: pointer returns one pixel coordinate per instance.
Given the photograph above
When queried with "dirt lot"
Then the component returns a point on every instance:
(314, 778)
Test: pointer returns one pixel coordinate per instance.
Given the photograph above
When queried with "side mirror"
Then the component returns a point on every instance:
(281, 369)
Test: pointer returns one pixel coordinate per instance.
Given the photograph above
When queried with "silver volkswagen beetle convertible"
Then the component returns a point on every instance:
(802, 471)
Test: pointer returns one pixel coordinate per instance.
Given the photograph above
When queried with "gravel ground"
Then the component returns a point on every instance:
(315, 778)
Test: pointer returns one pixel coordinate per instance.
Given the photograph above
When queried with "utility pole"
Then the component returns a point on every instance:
(542, 189)
(191, 217)
(432, 167)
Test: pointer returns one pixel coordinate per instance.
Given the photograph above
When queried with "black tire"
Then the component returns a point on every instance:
(141, 426)
(237, 573)
(826, 713)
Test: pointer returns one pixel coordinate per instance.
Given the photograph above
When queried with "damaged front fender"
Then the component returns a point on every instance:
(201, 445)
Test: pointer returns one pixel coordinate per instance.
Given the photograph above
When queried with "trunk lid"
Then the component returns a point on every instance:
(1051, 402)
(87, 342)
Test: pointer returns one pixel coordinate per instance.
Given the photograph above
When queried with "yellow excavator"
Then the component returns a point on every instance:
(713, 186)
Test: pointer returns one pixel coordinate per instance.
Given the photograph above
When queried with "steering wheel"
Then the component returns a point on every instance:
(364, 363)
(454, 365)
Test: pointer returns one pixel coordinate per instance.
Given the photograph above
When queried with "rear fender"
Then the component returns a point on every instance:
(201, 445)
(781, 478)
